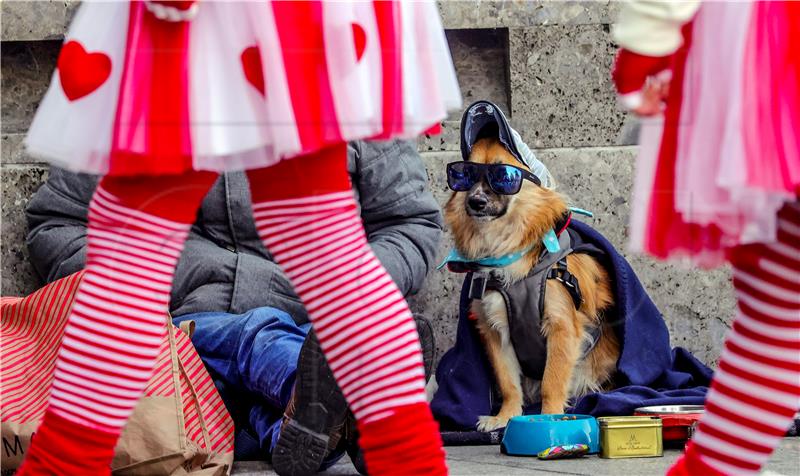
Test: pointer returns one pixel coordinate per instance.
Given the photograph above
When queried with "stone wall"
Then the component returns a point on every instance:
(546, 63)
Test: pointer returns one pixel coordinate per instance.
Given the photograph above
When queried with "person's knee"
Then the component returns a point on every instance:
(271, 319)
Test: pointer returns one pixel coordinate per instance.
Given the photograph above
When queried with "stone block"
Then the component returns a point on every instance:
(697, 305)
(438, 299)
(19, 182)
(516, 13)
(36, 20)
(12, 150)
(561, 91)
(27, 68)
(449, 139)
(480, 58)
(48, 20)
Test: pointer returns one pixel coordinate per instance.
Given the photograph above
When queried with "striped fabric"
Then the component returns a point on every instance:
(117, 321)
(206, 419)
(30, 329)
(29, 345)
(756, 389)
(361, 318)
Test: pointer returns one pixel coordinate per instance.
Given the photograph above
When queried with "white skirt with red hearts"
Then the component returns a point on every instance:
(241, 86)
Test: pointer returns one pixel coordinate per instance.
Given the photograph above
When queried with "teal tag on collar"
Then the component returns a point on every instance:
(581, 211)
(550, 242)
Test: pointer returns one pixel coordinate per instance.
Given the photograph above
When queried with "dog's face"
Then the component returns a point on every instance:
(486, 223)
(482, 203)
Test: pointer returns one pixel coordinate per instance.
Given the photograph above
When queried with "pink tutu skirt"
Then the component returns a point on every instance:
(714, 171)
(242, 85)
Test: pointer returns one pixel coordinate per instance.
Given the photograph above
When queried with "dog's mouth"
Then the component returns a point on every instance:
(486, 215)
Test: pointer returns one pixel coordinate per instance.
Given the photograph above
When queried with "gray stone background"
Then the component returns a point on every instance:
(546, 63)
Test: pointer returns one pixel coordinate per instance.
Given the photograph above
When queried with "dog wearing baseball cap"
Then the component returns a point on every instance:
(538, 292)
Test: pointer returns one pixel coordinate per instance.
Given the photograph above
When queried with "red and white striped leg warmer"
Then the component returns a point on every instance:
(360, 316)
(118, 319)
(112, 338)
(756, 389)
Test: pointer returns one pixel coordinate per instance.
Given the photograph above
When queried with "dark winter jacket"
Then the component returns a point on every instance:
(224, 266)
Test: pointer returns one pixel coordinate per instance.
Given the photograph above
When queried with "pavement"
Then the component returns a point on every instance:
(487, 460)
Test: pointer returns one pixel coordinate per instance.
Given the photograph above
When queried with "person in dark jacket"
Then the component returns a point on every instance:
(250, 325)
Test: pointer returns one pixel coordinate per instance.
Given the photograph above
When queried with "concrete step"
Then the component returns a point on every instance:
(487, 461)
(17, 183)
(36, 20)
(545, 63)
(49, 19)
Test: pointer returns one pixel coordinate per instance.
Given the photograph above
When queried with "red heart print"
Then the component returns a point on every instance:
(360, 39)
(251, 64)
(81, 72)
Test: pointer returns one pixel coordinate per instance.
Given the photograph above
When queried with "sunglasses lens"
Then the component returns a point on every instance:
(461, 176)
(505, 179)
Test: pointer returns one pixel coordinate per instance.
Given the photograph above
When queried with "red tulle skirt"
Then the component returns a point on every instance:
(714, 171)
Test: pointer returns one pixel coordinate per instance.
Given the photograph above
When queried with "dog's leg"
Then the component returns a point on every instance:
(507, 372)
(562, 329)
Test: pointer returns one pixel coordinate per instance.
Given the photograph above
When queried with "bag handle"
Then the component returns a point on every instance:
(187, 327)
(176, 368)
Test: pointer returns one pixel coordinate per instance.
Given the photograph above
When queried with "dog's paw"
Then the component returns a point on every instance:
(491, 423)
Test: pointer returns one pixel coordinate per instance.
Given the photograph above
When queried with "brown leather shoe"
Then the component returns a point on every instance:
(315, 417)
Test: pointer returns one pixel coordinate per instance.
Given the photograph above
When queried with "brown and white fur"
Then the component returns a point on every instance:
(487, 224)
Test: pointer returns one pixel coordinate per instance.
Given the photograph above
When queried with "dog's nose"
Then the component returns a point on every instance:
(477, 202)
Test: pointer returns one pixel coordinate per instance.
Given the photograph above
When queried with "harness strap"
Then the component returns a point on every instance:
(560, 273)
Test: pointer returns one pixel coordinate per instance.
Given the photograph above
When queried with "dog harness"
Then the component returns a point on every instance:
(524, 300)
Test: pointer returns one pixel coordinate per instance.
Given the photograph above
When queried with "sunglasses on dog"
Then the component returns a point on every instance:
(503, 179)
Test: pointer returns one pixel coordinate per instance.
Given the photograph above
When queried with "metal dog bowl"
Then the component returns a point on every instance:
(678, 420)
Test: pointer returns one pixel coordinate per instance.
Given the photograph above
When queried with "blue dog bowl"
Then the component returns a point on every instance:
(527, 435)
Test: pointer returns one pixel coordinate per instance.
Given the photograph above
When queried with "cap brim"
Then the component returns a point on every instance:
(485, 119)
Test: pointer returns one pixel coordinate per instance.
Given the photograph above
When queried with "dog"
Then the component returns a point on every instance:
(484, 223)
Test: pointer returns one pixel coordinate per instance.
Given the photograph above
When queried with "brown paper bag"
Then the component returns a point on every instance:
(179, 427)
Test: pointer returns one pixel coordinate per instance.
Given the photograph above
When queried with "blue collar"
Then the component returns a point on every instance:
(490, 262)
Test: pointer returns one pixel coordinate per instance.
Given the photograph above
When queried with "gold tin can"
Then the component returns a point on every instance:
(630, 437)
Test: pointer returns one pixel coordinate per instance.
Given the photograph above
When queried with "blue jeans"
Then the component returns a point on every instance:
(252, 358)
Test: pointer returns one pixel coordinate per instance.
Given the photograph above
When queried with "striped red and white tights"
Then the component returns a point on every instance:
(755, 392)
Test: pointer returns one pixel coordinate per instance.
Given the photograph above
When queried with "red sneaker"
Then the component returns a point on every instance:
(407, 442)
(61, 447)
(690, 464)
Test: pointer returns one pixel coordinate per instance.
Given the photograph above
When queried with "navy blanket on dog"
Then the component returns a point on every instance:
(649, 372)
